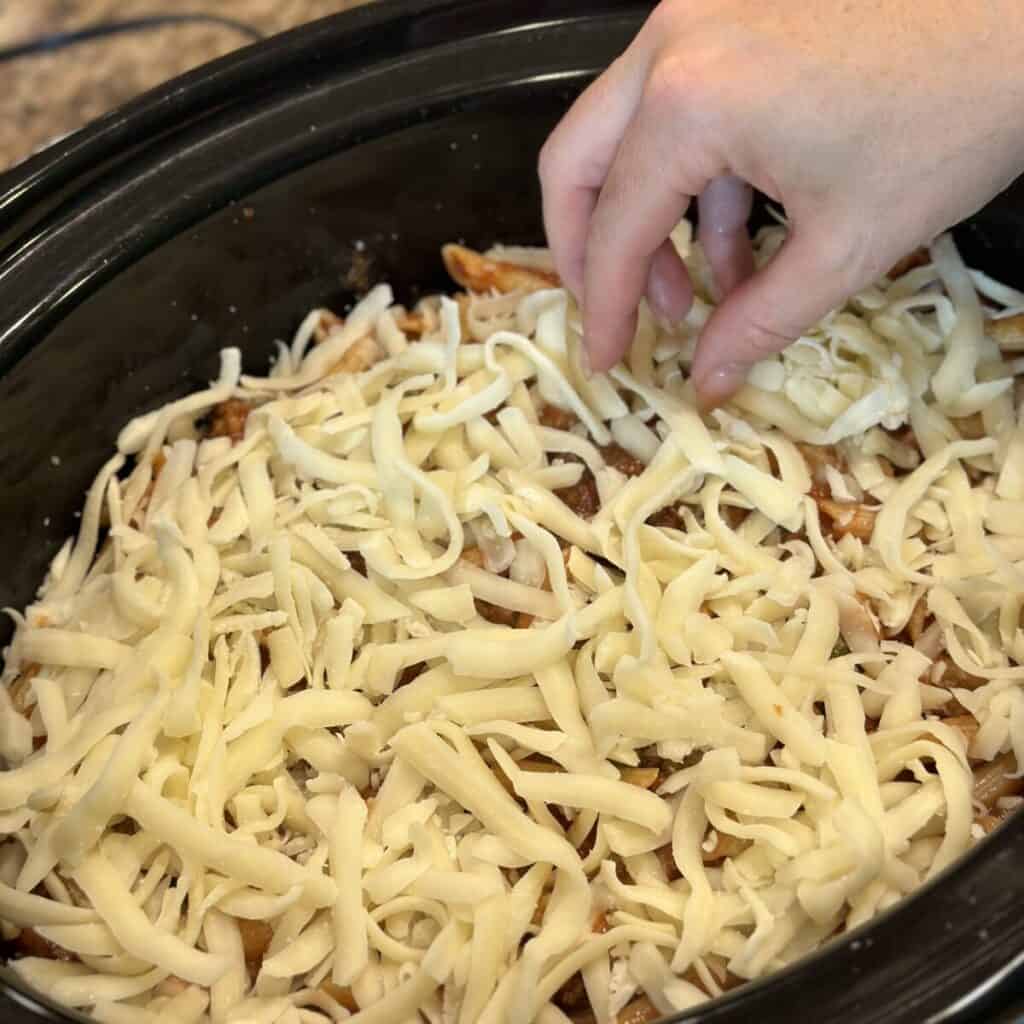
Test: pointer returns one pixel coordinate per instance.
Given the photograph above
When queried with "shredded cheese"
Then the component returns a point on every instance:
(454, 684)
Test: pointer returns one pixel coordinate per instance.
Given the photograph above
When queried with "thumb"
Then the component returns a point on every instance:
(807, 278)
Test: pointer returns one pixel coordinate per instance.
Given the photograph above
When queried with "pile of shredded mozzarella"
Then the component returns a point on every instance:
(426, 679)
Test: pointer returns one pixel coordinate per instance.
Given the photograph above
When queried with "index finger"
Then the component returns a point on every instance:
(577, 155)
(638, 207)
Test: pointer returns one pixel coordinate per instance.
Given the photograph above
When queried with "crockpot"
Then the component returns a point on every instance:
(219, 208)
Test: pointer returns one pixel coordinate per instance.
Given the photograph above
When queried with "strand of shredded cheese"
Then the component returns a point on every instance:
(423, 678)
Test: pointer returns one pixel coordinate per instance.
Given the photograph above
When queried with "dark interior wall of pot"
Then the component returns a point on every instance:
(245, 276)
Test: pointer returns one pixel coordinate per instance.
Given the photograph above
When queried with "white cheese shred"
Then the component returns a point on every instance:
(425, 679)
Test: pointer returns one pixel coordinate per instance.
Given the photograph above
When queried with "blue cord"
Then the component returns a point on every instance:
(60, 40)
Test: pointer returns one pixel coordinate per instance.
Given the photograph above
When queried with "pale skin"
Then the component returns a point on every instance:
(875, 124)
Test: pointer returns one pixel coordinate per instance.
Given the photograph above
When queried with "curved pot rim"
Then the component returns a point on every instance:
(50, 190)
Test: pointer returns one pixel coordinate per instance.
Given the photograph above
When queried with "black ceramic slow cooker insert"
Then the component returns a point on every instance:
(219, 208)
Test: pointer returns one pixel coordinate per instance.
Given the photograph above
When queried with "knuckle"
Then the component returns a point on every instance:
(693, 88)
(667, 83)
(849, 242)
(664, 21)
(761, 340)
(866, 260)
(850, 258)
(837, 252)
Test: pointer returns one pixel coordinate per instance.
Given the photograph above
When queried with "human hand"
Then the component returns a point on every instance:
(876, 126)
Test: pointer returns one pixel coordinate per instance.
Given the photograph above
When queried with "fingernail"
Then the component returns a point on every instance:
(664, 304)
(721, 383)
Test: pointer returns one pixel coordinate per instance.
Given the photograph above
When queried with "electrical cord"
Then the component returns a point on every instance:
(61, 40)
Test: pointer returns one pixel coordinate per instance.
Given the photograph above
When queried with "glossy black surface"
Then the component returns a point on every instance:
(219, 209)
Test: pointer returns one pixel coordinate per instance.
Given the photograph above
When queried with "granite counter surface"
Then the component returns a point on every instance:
(45, 96)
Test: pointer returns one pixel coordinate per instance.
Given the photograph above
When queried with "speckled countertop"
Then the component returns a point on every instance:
(45, 96)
